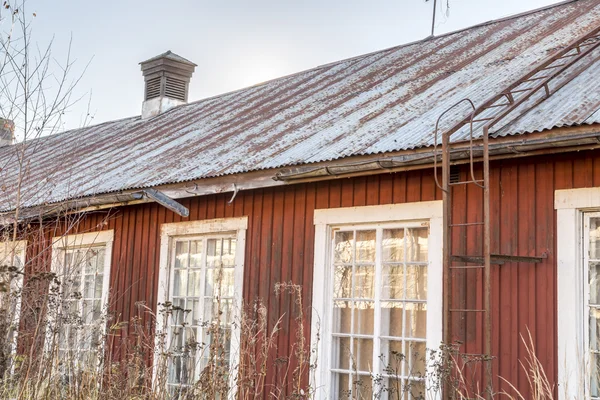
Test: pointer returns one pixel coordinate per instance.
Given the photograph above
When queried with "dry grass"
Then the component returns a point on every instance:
(135, 362)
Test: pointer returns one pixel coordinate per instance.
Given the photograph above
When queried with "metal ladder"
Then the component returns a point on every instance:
(484, 117)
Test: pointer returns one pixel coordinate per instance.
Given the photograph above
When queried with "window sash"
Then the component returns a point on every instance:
(198, 357)
(77, 242)
(378, 339)
(72, 265)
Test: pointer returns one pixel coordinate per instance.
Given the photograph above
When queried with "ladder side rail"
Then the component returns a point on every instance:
(536, 69)
(541, 85)
(488, 379)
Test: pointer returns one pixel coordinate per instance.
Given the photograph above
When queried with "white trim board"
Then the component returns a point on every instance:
(325, 221)
(570, 205)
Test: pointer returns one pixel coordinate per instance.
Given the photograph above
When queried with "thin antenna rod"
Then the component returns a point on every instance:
(433, 18)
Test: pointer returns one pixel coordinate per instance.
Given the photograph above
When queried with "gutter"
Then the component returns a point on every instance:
(459, 155)
(507, 147)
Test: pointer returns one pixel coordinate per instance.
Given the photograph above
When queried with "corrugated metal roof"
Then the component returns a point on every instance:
(380, 102)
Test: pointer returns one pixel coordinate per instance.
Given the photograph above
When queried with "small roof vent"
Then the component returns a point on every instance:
(167, 78)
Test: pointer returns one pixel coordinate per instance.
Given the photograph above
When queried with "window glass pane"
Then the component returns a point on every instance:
(393, 245)
(180, 282)
(181, 254)
(100, 253)
(208, 310)
(392, 352)
(342, 386)
(194, 289)
(393, 388)
(362, 356)
(364, 317)
(209, 282)
(88, 312)
(89, 266)
(341, 353)
(178, 311)
(594, 281)
(342, 316)
(227, 282)
(98, 286)
(594, 240)
(595, 374)
(364, 282)
(416, 320)
(228, 256)
(416, 355)
(362, 387)
(89, 285)
(344, 247)
(416, 282)
(196, 254)
(365, 246)
(392, 318)
(393, 282)
(224, 308)
(416, 244)
(342, 286)
(213, 253)
(594, 323)
(195, 311)
(415, 390)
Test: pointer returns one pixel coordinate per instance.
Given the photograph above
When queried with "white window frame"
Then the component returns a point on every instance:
(571, 206)
(172, 231)
(20, 248)
(325, 221)
(61, 244)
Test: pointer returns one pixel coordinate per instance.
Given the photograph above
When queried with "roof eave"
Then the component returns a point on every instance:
(558, 140)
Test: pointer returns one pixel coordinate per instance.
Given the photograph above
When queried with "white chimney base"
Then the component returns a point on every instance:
(158, 105)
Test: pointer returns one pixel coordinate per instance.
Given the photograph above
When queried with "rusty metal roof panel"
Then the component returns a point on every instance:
(376, 103)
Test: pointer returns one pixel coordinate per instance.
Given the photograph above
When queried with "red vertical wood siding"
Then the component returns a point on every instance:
(280, 241)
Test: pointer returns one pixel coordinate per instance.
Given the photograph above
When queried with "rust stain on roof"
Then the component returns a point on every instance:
(380, 102)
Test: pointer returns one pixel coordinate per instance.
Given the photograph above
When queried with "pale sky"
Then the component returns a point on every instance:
(235, 43)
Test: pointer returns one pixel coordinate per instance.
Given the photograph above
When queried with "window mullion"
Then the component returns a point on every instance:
(377, 295)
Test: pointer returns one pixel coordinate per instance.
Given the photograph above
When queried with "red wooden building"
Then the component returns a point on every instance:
(326, 179)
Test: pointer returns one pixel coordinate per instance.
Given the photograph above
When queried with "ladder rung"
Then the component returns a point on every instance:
(468, 267)
(537, 79)
(567, 55)
(466, 182)
(465, 310)
(521, 90)
(498, 105)
(588, 43)
(554, 66)
(483, 119)
(468, 224)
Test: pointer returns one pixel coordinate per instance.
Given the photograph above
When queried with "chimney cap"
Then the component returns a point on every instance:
(170, 56)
